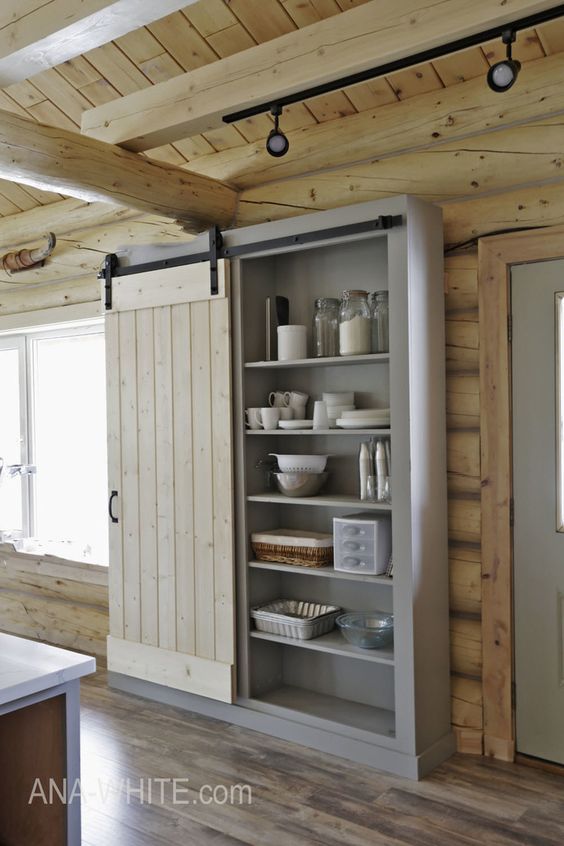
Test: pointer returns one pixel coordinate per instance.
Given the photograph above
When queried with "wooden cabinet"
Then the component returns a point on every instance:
(388, 708)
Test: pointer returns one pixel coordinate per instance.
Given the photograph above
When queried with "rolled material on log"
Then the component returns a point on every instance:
(23, 259)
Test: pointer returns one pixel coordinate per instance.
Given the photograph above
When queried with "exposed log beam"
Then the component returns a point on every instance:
(36, 35)
(373, 34)
(80, 254)
(63, 218)
(485, 164)
(69, 163)
(451, 114)
(524, 206)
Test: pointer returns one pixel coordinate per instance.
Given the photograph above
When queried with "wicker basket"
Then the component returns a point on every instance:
(287, 546)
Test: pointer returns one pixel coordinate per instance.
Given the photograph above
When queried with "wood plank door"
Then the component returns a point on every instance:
(170, 470)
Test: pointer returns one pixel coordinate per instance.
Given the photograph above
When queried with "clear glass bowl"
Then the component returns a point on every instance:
(369, 630)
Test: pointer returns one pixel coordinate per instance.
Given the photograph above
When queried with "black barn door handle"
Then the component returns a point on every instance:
(110, 512)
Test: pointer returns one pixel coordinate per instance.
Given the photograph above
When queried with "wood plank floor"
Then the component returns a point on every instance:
(299, 797)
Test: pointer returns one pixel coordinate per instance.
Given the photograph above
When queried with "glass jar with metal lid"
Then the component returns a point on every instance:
(326, 327)
(354, 323)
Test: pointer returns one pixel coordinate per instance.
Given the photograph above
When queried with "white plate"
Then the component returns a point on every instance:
(295, 424)
(363, 423)
(366, 412)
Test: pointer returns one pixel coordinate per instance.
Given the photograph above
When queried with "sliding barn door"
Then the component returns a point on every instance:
(170, 478)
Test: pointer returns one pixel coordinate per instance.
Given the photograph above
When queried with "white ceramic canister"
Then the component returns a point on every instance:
(292, 342)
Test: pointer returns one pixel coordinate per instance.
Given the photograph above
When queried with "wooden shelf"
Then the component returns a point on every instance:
(333, 361)
(328, 500)
(335, 644)
(348, 432)
(323, 572)
(299, 701)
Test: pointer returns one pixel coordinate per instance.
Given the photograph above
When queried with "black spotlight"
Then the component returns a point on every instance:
(277, 144)
(502, 75)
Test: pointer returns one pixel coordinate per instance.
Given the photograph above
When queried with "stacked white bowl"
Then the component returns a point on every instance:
(338, 402)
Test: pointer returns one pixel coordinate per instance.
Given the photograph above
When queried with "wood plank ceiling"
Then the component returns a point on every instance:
(210, 30)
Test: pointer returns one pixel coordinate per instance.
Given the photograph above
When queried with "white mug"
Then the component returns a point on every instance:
(279, 399)
(286, 413)
(292, 342)
(320, 418)
(298, 402)
(250, 418)
(267, 418)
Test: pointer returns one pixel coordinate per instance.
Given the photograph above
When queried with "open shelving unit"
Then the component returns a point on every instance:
(336, 361)
(325, 691)
(321, 572)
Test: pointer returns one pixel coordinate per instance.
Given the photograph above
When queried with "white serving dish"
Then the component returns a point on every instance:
(301, 463)
(295, 618)
(367, 412)
(363, 423)
(338, 398)
(295, 424)
(337, 410)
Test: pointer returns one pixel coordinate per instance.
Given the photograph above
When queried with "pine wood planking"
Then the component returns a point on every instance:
(129, 489)
(203, 479)
(223, 486)
(182, 360)
(428, 121)
(164, 447)
(331, 47)
(115, 530)
(148, 546)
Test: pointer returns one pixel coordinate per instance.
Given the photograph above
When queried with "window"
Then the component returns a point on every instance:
(53, 424)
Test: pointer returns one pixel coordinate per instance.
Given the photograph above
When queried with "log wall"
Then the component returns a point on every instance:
(68, 613)
(56, 601)
(463, 463)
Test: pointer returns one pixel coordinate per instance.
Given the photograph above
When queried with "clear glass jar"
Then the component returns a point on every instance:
(354, 324)
(326, 327)
(380, 322)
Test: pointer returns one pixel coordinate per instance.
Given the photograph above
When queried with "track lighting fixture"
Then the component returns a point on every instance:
(277, 144)
(502, 75)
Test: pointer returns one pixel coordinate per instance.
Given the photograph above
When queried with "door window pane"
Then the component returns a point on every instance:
(10, 441)
(70, 446)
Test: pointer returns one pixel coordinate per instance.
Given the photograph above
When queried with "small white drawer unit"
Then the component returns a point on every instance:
(362, 542)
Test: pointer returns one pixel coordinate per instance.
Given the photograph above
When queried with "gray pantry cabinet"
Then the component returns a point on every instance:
(387, 708)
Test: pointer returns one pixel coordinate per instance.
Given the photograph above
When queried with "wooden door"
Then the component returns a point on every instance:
(170, 462)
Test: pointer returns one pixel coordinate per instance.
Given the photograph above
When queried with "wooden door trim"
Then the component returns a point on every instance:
(496, 255)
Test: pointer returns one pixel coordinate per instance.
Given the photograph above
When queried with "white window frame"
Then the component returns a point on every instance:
(18, 342)
(24, 338)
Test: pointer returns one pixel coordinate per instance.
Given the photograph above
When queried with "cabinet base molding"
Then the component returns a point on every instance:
(186, 673)
(369, 754)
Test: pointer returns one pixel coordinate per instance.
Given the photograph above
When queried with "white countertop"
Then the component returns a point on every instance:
(27, 667)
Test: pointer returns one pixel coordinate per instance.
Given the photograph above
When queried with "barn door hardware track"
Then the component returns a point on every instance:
(218, 250)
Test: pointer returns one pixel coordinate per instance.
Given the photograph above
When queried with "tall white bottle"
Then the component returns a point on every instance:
(364, 467)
